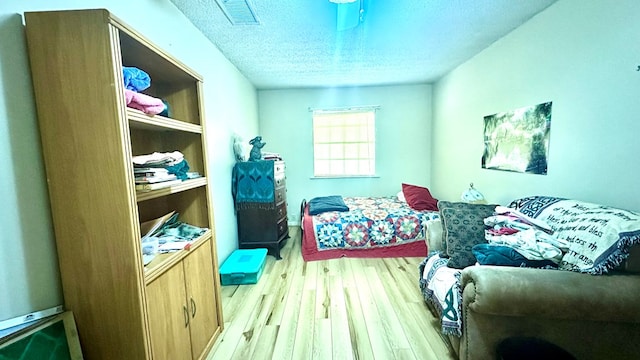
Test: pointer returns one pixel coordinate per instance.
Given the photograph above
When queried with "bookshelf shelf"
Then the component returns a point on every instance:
(140, 120)
(184, 186)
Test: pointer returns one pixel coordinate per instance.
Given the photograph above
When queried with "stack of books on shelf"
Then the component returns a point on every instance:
(152, 178)
(160, 170)
(152, 171)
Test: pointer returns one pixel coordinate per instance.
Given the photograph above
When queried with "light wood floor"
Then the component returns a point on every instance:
(332, 309)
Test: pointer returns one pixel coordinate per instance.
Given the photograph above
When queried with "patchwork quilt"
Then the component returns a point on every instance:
(371, 222)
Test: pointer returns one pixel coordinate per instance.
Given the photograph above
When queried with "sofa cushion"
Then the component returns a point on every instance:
(463, 226)
(600, 237)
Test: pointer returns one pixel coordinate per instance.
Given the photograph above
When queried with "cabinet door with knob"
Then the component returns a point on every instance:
(182, 314)
(200, 298)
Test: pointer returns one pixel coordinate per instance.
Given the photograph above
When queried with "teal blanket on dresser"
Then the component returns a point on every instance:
(253, 185)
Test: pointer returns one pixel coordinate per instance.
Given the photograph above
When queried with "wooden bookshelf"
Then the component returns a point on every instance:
(89, 136)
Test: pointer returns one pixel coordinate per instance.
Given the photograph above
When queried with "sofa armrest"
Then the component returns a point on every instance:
(556, 294)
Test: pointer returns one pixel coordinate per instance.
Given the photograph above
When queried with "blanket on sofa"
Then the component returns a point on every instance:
(599, 236)
(440, 286)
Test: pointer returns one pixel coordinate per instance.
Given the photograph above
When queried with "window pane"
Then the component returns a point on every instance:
(352, 167)
(337, 168)
(337, 151)
(321, 134)
(353, 134)
(366, 166)
(344, 143)
(321, 151)
(321, 167)
(337, 135)
(351, 151)
(364, 151)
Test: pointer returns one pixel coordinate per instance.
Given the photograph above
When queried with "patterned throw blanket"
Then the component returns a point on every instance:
(599, 236)
(252, 185)
(440, 286)
(371, 222)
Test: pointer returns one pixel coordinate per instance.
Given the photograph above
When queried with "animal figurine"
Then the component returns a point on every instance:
(256, 152)
(238, 148)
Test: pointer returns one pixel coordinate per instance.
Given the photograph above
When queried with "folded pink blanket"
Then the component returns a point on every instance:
(145, 103)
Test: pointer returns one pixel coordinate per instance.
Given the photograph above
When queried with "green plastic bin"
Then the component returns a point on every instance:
(243, 266)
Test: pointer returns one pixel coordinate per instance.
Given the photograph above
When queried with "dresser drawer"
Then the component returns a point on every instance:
(280, 195)
(278, 168)
(281, 211)
(278, 180)
(283, 228)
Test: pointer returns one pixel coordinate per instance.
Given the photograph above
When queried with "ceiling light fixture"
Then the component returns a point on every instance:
(349, 13)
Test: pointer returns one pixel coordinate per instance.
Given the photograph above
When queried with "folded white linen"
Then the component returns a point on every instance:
(532, 244)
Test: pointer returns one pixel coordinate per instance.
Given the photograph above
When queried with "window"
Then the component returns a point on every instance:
(344, 142)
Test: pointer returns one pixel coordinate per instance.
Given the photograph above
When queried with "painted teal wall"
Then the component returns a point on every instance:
(29, 276)
(403, 139)
(581, 55)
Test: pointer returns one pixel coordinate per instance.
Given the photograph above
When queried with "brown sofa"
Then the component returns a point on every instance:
(589, 316)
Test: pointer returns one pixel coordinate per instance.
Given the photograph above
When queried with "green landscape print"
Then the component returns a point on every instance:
(518, 140)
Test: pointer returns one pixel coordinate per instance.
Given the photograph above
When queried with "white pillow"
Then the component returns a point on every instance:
(401, 197)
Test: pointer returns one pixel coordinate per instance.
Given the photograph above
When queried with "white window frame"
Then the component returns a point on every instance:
(344, 142)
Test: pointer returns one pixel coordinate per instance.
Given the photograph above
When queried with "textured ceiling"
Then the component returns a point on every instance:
(297, 45)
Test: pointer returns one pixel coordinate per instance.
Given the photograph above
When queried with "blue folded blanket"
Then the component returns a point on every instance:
(322, 204)
(135, 79)
(487, 254)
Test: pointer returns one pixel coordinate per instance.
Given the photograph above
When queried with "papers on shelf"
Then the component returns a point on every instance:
(173, 246)
(148, 228)
(146, 259)
(149, 243)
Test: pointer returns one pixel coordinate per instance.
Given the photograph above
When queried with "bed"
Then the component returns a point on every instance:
(373, 227)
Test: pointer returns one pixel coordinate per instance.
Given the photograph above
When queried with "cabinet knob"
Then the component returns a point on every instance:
(193, 308)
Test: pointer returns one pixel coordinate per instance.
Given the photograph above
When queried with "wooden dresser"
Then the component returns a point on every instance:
(260, 196)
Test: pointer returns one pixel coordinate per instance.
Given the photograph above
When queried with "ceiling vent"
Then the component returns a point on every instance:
(239, 12)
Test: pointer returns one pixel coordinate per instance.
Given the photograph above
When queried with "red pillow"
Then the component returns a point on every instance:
(419, 198)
